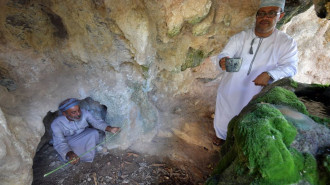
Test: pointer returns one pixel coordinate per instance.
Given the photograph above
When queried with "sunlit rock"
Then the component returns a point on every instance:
(312, 36)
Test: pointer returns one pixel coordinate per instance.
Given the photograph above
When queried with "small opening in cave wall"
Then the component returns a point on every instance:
(98, 110)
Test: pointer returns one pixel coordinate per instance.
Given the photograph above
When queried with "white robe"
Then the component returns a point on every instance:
(75, 136)
(277, 55)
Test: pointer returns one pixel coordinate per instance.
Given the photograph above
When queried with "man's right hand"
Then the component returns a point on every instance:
(112, 129)
(72, 156)
(222, 63)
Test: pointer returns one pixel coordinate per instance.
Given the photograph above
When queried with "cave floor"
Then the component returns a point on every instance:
(180, 159)
(182, 153)
(125, 167)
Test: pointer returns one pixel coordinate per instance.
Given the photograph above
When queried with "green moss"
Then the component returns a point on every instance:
(321, 85)
(196, 19)
(193, 59)
(213, 180)
(174, 31)
(326, 163)
(263, 136)
(323, 121)
(145, 70)
(259, 139)
(294, 84)
(324, 168)
(225, 161)
(199, 31)
(309, 171)
(281, 96)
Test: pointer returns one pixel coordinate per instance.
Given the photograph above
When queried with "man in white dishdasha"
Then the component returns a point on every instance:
(268, 55)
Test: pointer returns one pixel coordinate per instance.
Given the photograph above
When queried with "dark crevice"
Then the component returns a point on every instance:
(316, 99)
(56, 20)
(5, 79)
(17, 21)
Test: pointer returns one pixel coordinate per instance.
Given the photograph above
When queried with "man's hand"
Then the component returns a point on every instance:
(112, 129)
(222, 63)
(262, 79)
(72, 156)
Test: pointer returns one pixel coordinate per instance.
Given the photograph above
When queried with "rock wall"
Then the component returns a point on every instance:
(313, 37)
(136, 57)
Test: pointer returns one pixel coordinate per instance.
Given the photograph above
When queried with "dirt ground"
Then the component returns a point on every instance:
(316, 108)
(125, 167)
(181, 153)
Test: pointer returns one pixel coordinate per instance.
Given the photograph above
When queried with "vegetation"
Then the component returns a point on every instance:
(193, 59)
(258, 144)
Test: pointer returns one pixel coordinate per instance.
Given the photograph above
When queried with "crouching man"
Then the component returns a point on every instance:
(71, 134)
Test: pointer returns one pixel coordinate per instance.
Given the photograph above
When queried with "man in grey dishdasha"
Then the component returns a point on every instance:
(71, 133)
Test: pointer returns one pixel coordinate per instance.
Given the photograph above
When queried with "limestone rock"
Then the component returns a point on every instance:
(16, 150)
(203, 27)
(133, 56)
(312, 37)
(177, 12)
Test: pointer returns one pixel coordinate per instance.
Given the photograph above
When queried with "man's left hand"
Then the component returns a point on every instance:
(112, 129)
(262, 79)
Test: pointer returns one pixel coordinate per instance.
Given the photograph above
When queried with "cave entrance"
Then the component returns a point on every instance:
(129, 166)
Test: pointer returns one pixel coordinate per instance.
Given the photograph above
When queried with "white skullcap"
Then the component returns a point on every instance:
(277, 3)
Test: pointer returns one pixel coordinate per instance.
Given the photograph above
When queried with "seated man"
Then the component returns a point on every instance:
(71, 134)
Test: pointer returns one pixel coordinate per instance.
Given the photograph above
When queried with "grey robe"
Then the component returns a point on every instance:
(75, 136)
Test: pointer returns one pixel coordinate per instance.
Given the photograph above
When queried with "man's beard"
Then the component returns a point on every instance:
(76, 118)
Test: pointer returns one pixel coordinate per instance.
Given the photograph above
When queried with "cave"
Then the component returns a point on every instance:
(148, 67)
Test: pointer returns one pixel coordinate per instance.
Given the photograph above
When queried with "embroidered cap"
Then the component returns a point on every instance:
(68, 103)
(277, 3)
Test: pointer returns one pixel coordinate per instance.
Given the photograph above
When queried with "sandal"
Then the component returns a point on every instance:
(217, 141)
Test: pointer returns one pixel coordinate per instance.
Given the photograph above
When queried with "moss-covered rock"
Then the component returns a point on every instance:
(145, 71)
(263, 136)
(323, 156)
(259, 143)
(281, 96)
(174, 31)
(196, 19)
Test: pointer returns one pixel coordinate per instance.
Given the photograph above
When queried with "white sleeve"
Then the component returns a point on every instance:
(233, 46)
(287, 61)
